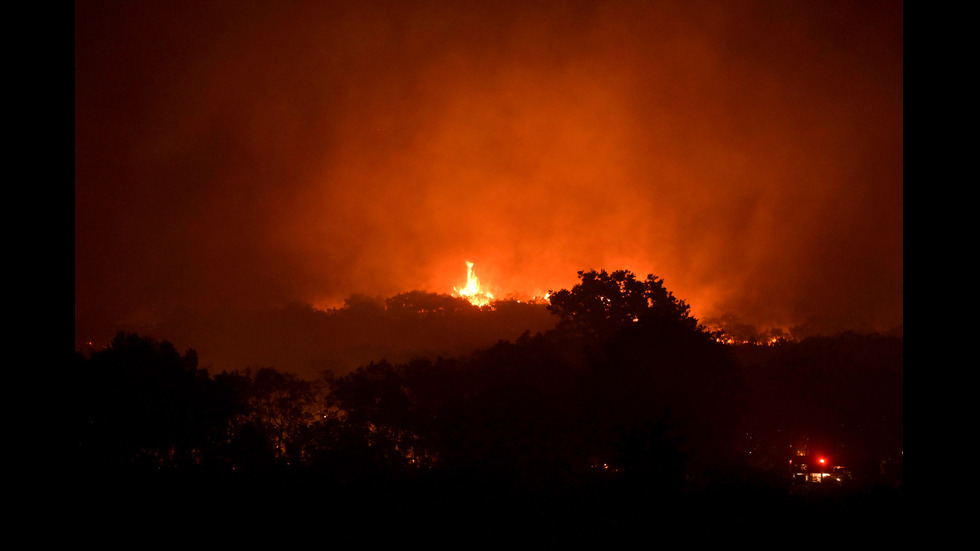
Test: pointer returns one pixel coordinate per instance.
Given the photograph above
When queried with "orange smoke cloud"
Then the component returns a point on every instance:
(751, 157)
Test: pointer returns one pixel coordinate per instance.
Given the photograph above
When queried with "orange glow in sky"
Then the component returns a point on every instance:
(750, 154)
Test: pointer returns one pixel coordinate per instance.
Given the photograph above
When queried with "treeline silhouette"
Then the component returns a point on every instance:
(628, 411)
(305, 340)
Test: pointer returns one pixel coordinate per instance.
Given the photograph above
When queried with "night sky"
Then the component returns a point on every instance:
(235, 155)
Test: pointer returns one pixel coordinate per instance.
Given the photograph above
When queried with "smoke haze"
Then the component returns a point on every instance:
(235, 155)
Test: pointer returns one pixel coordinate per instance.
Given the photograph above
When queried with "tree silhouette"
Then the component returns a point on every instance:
(284, 407)
(379, 413)
(602, 303)
(652, 372)
(421, 303)
(141, 403)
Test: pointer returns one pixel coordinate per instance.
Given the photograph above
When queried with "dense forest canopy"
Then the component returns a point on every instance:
(628, 411)
(627, 379)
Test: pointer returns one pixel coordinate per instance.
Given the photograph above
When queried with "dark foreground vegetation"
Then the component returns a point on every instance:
(628, 419)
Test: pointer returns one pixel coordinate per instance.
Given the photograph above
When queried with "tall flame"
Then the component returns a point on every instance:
(472, 292)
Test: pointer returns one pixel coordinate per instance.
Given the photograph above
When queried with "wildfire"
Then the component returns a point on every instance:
(472, 292)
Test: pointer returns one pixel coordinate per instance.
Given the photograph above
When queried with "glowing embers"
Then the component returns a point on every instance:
(472, 292)
(769, 341)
